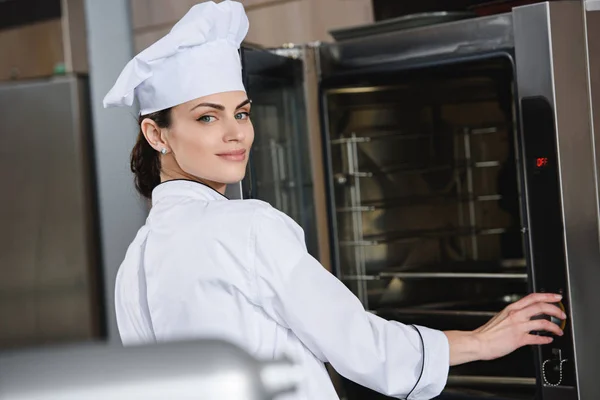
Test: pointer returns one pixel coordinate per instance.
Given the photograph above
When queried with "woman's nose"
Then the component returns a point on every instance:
(234, 132)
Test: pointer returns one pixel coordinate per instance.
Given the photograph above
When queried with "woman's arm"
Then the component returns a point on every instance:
(387, 356)
(296, 291)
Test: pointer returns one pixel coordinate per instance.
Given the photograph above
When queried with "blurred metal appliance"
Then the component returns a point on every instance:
(50, 282)
(205, 369)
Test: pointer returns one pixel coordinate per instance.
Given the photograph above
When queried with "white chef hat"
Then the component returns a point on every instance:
(198, 57)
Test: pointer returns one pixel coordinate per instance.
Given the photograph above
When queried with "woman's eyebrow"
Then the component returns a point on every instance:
(212, 105)
(243, 103)
(219, 106)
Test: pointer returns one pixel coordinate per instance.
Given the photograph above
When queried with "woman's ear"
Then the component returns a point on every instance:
(153, 134)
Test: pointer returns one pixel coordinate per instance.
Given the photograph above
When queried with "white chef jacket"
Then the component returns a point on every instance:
(204, 266)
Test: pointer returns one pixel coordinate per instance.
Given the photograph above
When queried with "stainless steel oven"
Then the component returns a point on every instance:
(445, 171)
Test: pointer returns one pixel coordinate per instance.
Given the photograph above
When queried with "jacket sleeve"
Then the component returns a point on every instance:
(294, 289)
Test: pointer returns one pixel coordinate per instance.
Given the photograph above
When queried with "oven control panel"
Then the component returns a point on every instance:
(545, 233)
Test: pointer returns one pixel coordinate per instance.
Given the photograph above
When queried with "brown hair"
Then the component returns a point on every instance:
(145, 161)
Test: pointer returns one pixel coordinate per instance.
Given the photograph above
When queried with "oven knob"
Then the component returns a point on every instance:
(561, 323)
(556, 321)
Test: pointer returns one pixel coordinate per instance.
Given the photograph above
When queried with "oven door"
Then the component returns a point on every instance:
(427, 214)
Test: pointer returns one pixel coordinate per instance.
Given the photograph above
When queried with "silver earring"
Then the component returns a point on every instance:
(163, 151)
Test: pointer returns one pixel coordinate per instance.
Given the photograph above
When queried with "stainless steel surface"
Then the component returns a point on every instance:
(593, 54)
(208, 369)
(592, 17)
(460, 38)
(400, 23)
(551, 62)
(49, 256)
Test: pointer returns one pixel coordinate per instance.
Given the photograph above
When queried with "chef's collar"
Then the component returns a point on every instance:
(184, 187)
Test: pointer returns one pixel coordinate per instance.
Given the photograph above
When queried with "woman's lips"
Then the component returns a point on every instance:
(235, 155)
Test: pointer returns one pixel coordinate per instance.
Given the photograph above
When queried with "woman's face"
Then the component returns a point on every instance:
(209, 139)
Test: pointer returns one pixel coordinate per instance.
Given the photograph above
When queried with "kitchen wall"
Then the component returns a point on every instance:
(40, 43)
(272, 22)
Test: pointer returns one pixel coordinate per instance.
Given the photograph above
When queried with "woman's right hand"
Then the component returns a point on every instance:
(508, 330)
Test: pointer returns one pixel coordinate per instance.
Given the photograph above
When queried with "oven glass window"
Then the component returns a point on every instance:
(425, 189)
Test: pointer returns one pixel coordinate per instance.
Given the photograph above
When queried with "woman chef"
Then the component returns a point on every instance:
(206, 266)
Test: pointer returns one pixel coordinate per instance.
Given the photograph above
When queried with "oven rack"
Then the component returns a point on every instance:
(410, 168)
(437, 275)
(411, 236)
(469, 226)
(485, 308)
(386, 133)
(504, 269)
(406, 201)
(416, 311)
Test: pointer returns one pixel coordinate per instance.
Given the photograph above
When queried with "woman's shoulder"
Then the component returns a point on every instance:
(227, 217)
(265, 213)
(269, 222)
(261, 216)
(243, 211)
(257, 209)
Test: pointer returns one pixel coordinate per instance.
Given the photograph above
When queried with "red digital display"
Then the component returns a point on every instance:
(541, 162)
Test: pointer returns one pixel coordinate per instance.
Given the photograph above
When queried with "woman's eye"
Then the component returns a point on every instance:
(207, 118)
(242, 115)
